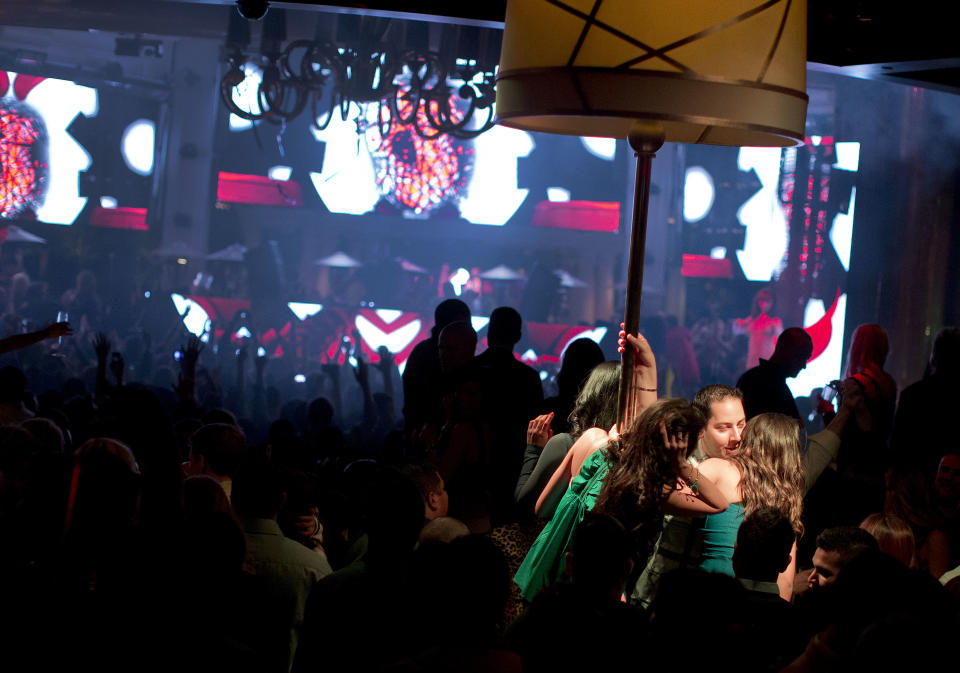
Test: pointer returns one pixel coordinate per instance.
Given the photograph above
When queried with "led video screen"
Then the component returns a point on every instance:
(353, 166)
(782, 221)
(63, 144)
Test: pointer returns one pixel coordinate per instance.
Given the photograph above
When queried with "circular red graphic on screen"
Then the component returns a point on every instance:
(23, 159)
(417, 174)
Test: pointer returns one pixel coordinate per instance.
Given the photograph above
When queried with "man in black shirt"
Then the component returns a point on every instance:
(765, 386)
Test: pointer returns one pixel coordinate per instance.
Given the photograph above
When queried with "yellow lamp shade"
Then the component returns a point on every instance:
(719, 72)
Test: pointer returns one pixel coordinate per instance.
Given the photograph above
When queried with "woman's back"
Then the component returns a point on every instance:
(545, 561)
(719, 536)
(720, 530)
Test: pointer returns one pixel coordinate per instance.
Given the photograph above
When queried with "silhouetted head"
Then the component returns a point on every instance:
(457, 345)
(794, 347)
(46, 433)
(764, 541)
(436, 503)
(945, 358)
(448, 311)
(218, 449)
(13, 384)
(505, 327)
(257, 490)
(581, 356)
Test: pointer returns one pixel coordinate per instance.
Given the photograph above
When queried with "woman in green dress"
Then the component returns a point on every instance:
(636, 477)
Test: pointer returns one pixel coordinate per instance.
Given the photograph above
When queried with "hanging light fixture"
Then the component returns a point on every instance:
(445, 91)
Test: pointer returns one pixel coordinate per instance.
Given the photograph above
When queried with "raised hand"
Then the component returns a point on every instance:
(643, 357)
(58, 329)
(118, 367)
(362, 372)
(674, 442)
(386, 364)
(261, 363)
(539, 431)
(101, 346)
(191, 352)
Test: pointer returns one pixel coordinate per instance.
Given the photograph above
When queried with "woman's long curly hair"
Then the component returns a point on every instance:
(771, 467)
(642, 471)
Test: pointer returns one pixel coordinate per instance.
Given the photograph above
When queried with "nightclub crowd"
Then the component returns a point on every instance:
(171, 504)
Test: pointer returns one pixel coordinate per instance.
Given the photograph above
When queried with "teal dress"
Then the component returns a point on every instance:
(719, 536)
(545, 562)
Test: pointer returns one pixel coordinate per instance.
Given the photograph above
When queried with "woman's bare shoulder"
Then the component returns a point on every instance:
(715, 468)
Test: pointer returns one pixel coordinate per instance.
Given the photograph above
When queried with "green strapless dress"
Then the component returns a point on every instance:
(545, 562)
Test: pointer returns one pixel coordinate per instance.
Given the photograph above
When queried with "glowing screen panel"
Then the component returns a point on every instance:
(358, 166)
(779, 219)
(68, 149)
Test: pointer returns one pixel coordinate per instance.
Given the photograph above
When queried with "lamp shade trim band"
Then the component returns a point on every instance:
(579, 71)
(603, 102)
(710, 123)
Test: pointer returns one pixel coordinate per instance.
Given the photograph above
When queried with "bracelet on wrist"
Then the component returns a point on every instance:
(647, 390)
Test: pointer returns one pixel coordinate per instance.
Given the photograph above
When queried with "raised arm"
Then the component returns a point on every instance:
(707, 489)
(18, 341)
(785, 579)
(539, 434)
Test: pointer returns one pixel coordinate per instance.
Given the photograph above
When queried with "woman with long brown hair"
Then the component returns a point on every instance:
(766, 472)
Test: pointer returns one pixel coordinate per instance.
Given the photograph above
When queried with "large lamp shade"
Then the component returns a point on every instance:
(721, 73)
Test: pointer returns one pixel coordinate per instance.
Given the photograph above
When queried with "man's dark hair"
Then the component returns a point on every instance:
(581, 356)
(763, 546)
(222, 446)
(425, 476)
(448, 311)
(13, 384)
(220, 415)
(716, 392)
(791, 342)
(257, 490)
(505, 327)
(945, 357)
(848, 542)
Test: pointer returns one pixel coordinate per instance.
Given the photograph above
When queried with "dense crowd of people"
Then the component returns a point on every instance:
(172, 504)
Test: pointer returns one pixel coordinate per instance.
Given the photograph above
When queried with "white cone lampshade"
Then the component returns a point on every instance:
(719, 72)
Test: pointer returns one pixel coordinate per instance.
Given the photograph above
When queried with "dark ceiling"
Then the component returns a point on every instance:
(875, 39)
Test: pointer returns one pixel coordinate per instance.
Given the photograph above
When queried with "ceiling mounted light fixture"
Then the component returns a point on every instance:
(379, 71)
